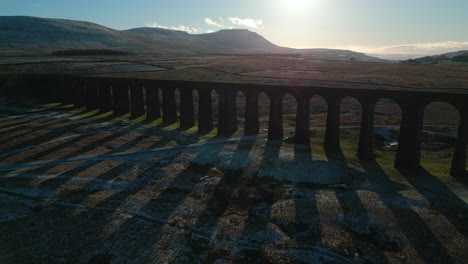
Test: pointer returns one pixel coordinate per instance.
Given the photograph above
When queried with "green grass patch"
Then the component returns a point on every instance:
(156, 122)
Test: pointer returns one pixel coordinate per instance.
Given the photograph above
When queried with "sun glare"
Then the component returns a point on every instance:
(297, 4)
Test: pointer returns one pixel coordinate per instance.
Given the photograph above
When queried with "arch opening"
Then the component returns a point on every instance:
(387, 119)
(439, 137)
(263, 111)
(289, 116)
(350, 120)
(318, 109)
(240, 110)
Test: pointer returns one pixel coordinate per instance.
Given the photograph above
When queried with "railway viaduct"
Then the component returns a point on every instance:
(140, 96)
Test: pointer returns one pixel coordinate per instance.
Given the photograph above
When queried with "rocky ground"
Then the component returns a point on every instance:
(80, 187)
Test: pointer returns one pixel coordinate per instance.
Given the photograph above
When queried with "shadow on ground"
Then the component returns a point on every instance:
(78, 187)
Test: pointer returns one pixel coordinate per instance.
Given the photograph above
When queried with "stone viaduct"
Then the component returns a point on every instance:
(140, 96)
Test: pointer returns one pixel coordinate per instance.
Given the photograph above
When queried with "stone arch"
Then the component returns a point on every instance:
(442, 111)
(387, 120)
(318, 116)
(350, 123)
(387, 112)
(439, 137)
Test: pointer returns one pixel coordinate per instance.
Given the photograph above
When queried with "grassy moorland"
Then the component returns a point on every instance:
(103, 191)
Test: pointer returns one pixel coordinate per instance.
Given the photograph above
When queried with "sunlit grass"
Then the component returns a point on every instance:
(50, 105)
(120, 118)
(212, 133)
(156, 122)
(85, 114)
(192, 130)
(139, 119)
(78, 110)
(172, 127)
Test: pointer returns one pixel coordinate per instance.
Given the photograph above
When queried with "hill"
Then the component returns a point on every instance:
(56, 34)
(441, 58)
(244, 41)
(50, 35)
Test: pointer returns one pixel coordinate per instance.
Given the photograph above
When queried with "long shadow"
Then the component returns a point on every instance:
(221, 195)
(14, 123)
(335, 154)
(357, 221)
(267, 191)
(115, 199)
(59, 131)
(165, 203)
(27, 131)
(440, 197)
(302, 153)
(17, 121)
(42, 120)
(87, 148)
(33, 117)
(306, 228)
(90, 147)
(356, 217)
(411, 224)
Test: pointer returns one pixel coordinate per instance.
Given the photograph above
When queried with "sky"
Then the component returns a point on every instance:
(370, 26)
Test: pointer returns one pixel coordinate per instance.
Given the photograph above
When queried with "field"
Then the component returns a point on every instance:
(78, 186)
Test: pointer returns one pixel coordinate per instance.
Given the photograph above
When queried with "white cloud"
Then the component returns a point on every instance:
(180, 27)
(248, 22)
(219, 23)
(210, 22)
(232, 22)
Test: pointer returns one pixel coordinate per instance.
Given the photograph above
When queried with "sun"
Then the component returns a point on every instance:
(297, 4)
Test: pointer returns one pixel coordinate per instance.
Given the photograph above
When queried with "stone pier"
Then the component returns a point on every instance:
(92, 95)
(169, 105)
(153, 106)
(227, 114)
(302, 130)
(205, 111)
(408, 155)
(187, 116)
(105, 98)
(275, 125)
(121, 99)
(461, 147)
(137, 101)
(366, 133)
(252, 125)
(332, 132)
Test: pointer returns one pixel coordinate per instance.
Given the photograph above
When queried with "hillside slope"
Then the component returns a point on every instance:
(58, 33)
(49, 35)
